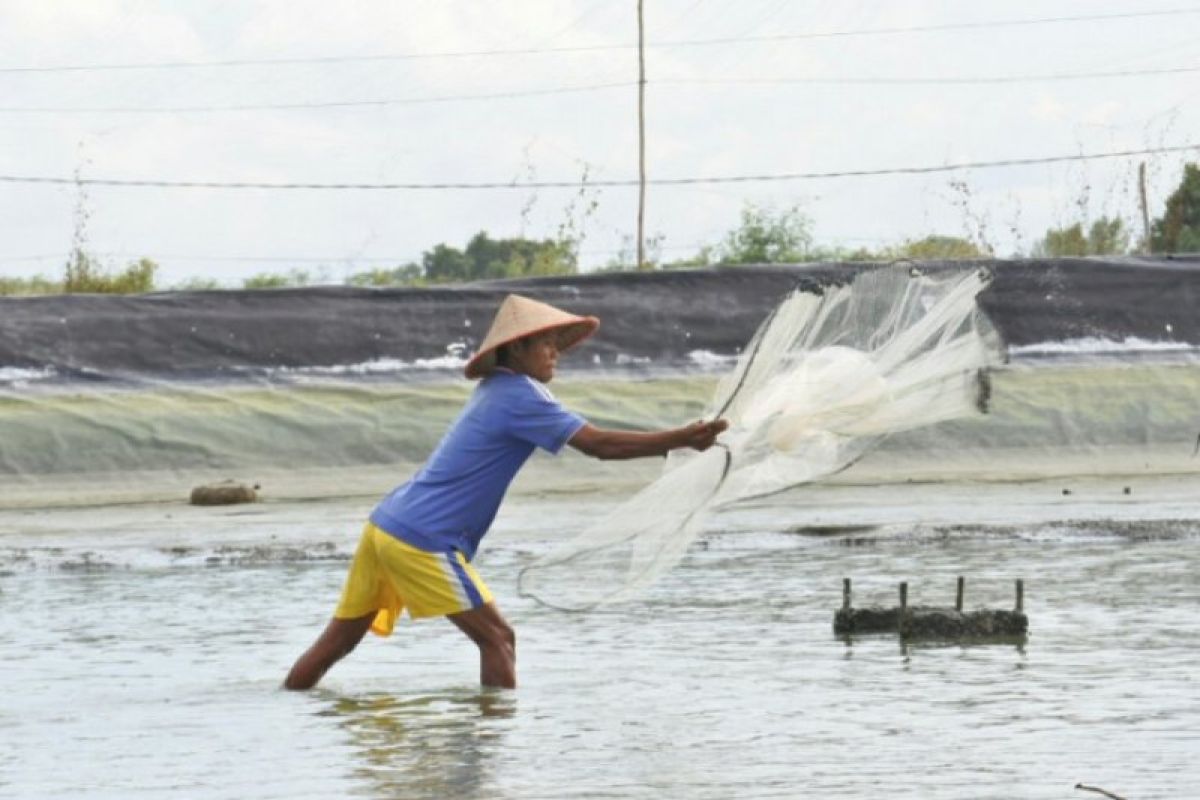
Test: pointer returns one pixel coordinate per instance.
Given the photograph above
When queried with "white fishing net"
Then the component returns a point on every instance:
(824, 379)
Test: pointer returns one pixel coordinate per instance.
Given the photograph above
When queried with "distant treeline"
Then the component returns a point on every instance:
(762, 236)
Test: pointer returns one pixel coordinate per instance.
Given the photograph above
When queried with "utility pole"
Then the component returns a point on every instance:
(1145, 210)
(641, 216)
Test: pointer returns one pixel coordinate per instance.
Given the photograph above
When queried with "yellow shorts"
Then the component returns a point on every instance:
(388, 576)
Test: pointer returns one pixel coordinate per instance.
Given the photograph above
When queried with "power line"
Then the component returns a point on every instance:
(808, 81)
(949, 26)
(314, 105)
(886, 31)
(330, 260)
(969, 80)
(760, 178)
(46, 257)
(340, 260)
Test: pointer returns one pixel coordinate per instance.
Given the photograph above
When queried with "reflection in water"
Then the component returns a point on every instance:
(435, 745)
(910, 643)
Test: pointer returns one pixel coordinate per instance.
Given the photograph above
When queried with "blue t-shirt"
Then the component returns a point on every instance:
(450, 503)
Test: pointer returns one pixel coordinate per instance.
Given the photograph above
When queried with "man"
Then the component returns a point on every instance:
(415, 552)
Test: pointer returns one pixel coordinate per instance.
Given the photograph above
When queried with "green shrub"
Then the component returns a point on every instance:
(407, 275)
(279, 280)
(85, 275)
(26, 286)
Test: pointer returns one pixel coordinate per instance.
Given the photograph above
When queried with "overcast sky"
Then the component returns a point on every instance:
(458, 92)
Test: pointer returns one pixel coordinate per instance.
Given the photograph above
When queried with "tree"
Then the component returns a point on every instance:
(487, 258)
(1178, 229)
(934, 247)
(1059, 242)
(446, 264)
(512, 258)
(767, 237)
(1106, 236)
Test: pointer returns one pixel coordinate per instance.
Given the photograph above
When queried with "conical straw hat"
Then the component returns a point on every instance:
(520, 316)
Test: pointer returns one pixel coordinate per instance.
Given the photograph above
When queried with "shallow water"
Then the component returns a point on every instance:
(143, 649)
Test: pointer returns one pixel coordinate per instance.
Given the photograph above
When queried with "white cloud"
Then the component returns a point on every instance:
(717, 129)
(51, 33)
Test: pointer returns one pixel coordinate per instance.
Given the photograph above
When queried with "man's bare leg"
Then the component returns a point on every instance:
(497, 644)
(339, 638)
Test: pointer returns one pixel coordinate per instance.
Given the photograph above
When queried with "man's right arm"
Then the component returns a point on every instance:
(613, 444)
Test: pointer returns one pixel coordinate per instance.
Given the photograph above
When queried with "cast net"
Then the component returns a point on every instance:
(823, 380)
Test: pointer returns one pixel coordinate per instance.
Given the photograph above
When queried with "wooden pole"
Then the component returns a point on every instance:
(903, 606)
(846, 593)
(1020, 595)
(1146, 249)
(641, 215)
(958, 594)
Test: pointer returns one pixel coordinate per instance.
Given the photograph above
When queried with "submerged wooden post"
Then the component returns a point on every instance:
(846, 593)
(1020, 595)
(958, 595)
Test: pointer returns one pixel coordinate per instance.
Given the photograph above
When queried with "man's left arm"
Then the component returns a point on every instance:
(607, 444)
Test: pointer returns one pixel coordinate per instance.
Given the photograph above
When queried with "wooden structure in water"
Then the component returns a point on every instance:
(932, 622)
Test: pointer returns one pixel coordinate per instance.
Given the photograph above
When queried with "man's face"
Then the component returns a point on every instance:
(535, 356)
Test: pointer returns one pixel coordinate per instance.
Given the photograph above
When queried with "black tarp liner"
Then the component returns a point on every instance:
(659, 316)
